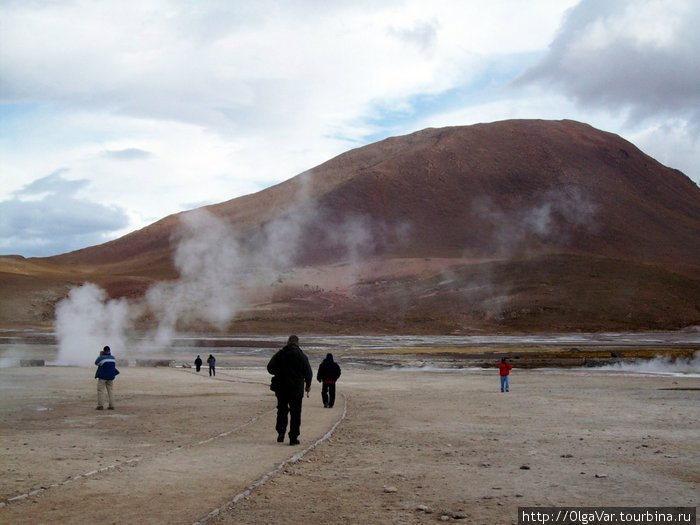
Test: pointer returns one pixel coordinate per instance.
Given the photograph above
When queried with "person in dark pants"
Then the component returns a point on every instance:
(211, 361)
(198, 363)
(328, 374)
(292, 375)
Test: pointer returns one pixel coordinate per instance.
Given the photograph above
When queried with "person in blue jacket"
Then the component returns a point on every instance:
(105, 374)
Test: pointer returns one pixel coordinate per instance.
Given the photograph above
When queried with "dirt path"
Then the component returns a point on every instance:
(415, 446)
(428, 447)
(158, 458)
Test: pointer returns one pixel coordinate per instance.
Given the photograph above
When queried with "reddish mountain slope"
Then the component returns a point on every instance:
(525, 225)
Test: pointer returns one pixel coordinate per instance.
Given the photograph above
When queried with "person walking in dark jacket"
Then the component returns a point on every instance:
(105, 374)
(292, 375)
(198, 363)
(328, 374)
(211, 361)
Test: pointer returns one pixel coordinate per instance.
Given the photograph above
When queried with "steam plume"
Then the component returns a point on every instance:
(86, 321)
(215, 270)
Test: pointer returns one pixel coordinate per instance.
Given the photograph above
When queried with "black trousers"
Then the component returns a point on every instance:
(328, 394)
(288, 405)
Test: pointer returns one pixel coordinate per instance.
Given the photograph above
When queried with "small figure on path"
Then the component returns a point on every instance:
(292, 375)
(211, 361)
(105, 374)
(504, 368)
(328, 374)
(198, 363)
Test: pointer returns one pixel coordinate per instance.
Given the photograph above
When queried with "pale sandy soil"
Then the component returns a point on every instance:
(409, 446)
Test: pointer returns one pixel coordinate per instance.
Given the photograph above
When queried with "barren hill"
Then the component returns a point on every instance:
(514, 225)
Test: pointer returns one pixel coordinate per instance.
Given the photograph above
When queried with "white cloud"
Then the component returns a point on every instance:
(211, 100)
(635, 58)
(631, 68)
(45, 218)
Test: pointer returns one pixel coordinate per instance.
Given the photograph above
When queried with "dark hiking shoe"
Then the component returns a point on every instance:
(293, 442)
(99, 408)
(110, 408)
(280, 438)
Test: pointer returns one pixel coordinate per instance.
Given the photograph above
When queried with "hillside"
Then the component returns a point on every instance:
(514, 225)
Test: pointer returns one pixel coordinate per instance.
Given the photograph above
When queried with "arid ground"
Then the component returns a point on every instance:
(402, 445)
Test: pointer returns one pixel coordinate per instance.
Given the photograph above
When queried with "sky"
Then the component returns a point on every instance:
(115, 114)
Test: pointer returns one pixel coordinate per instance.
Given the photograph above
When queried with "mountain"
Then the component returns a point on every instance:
(514, 225)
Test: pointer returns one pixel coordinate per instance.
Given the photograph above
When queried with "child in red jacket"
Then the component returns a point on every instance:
(504, 368)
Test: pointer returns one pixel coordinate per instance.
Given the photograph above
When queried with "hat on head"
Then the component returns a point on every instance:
(106, 350)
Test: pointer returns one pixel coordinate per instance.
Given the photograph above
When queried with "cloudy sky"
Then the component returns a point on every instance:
(117, 113)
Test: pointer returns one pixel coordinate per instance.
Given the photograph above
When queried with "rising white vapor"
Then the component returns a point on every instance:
(86, 321)
(215, 268)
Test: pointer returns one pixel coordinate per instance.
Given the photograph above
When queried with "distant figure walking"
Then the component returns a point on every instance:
(504, 368)
(211, 361)
(292, 375)
(198, 363)
(328, 374)
(105, 374)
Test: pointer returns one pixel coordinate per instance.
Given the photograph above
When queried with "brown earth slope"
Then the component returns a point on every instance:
(514, 225)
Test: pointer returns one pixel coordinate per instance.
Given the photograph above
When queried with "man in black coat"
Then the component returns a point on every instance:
(328, 374)
(292, 375)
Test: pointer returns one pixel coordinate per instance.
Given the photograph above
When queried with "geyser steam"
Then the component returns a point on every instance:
(215, 271)
(208, 258)
(87, 320)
